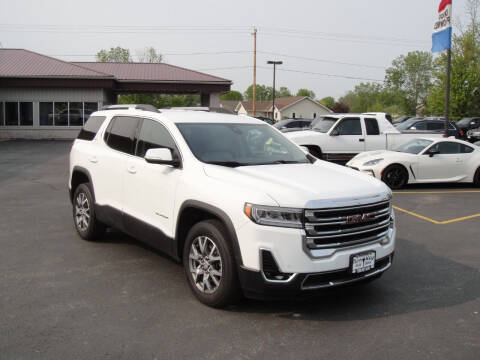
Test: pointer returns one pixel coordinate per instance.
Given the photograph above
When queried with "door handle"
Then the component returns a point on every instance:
(361, 140)
(132, 170)
(93, 159)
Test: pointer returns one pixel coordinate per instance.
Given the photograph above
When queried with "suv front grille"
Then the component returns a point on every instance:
(346, 226)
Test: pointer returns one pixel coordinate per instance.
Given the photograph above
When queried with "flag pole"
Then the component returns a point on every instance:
(447, 91)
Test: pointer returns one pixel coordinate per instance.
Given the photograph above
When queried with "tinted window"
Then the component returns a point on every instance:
(372, 127)
(1, 114)
(153, 135)
(466, 149)
(120, 134)
(349, 127)
(26, 113)
(46, 113)
(11, 113)
(61, 114)
(448, 147)
(75, 113)
(435, 126)
(419, 126)
(90, 129)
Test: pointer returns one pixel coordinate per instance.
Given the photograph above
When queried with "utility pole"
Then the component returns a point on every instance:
(274, 63)
(254, 70)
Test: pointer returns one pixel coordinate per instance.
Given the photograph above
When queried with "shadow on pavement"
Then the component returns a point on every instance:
(418, 280)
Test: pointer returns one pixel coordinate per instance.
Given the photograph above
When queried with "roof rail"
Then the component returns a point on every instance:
(144, 107)
(203, 108)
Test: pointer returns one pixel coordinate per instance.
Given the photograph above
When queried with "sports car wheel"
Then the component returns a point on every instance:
(395, 176)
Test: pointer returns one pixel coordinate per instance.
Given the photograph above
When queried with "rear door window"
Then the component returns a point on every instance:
(419, 126)
(372, 126)
(91, 128)
(120, 134)
(434, 125)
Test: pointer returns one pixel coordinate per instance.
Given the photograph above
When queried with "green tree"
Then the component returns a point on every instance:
(282, 92)
(365, 97)
(150, 55)
(115, 54)
(409, 79)
(328, 102)
(465, 75)
(306, 92)
(340, 108)
(262, 93)
(232, 95)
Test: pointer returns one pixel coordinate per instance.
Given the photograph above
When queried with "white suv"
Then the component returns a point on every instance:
(245, 209)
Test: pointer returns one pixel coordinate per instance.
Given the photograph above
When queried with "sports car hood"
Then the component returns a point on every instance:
(315, 185)
(362, 158)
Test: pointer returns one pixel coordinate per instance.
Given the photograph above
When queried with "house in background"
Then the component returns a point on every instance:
(294, 107)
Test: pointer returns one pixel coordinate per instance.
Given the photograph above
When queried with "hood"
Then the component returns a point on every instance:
(315, 185)
(362, 158)
(304, 135)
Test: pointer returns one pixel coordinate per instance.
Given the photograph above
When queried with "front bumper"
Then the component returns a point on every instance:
(255, 285)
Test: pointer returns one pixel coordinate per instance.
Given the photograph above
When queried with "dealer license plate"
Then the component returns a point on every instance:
(363, 262)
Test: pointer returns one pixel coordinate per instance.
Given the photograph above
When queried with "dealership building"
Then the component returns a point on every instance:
(42, 97)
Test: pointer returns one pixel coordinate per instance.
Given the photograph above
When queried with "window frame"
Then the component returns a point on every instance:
(110, 125)
(348, 118)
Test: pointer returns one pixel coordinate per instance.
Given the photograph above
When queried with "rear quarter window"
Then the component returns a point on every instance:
(91, 128)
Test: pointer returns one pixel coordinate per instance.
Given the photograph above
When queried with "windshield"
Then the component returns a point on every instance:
(465, 121)
(406, 124)
(324, 124)
(240, 144)
(414, 146)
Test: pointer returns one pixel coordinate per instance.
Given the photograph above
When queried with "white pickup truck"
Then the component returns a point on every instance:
(340, 137)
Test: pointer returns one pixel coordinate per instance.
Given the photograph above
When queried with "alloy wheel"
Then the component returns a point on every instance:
(82, 211)
(205, 264)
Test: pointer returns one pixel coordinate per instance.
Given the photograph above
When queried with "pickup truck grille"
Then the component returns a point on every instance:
(346, 226)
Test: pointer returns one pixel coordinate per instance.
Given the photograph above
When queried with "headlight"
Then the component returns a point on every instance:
(274, 216)
(372, 162)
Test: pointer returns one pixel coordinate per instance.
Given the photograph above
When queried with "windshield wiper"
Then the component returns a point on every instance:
(227, 163)
(282, 162)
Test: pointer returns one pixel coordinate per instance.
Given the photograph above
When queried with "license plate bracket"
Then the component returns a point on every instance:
(362, 262)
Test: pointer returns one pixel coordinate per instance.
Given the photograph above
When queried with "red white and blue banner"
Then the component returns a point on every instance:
(442, 31)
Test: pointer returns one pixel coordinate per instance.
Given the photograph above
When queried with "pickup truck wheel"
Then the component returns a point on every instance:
(476, 178)
(86, 223)
(209, 264)
(395, 176)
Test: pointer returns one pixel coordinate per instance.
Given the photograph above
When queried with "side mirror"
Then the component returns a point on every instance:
(162, 156)
(433, 152)
(335, 132)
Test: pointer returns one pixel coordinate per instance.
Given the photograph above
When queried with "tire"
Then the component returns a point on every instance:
(476, 178)
(208, 249)
(315, 151)
(395, 176)
(84, 219)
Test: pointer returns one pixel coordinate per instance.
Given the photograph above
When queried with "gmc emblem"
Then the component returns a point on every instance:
(357, 219)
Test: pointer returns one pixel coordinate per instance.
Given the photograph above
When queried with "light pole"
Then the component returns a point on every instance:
(274, 63)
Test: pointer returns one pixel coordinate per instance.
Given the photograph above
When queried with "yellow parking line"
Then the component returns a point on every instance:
(433, 221)
(438, 192)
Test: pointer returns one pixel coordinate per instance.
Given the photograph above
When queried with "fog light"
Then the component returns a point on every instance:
(385, 240)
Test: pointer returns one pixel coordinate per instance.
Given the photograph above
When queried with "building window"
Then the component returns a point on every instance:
(60, 114)
(314, 115)
(26, 113)
(293, 115)
(11, 113)
(2, 122)
(75, 113)
(66, 113)
(46, 113)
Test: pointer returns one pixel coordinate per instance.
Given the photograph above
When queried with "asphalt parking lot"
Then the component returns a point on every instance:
(64, 298)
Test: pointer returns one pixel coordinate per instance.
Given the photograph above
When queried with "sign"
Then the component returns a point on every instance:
(442, 30)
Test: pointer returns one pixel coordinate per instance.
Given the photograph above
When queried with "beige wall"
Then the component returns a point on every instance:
(304, 109)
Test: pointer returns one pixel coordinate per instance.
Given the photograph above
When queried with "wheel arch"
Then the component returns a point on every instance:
(315, 150)
(80, 175)
(192, 212)
(397, 164)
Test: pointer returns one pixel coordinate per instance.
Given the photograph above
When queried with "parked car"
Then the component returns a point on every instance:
(473, 135)
(401, 119)
(339, 137)
(245, 209)
(477, 143)
(266, 119)
(428, 125)
(293, 125)
(422, 160)
(466, 124)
